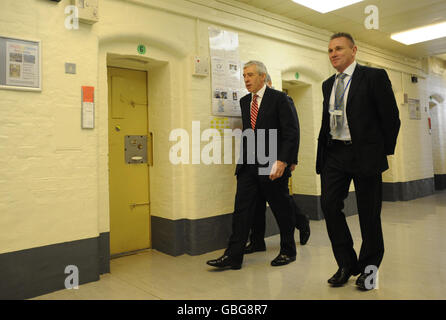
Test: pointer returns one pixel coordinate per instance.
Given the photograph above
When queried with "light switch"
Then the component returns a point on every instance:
(70, 68)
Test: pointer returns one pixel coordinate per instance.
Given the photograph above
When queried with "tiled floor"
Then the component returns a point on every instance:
(414, 266)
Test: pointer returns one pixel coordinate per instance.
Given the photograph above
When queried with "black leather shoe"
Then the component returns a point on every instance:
(224, 262)
(340, 277)
(251, 248)
(304, 233)
(282, 259)
(360, 282)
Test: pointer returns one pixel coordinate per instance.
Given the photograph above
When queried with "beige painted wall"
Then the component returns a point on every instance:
(48, 165)
(54, 175)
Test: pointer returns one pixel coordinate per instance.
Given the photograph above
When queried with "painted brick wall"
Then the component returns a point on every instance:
(48, 175)
(54, 175)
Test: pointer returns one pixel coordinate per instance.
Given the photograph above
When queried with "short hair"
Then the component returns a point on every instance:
(268, 78)
(261, 68)
(343, 35)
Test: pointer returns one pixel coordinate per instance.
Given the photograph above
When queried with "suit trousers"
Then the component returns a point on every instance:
(339, 169)
(259, 224)
(251, 185)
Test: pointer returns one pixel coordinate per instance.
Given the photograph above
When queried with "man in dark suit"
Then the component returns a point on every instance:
(268, 124)
(257, 237)
(360, 124)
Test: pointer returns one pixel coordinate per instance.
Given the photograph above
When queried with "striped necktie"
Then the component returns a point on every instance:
(339, 101)
(254, 111)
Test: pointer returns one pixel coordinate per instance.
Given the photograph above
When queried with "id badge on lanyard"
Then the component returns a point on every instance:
(338, 112)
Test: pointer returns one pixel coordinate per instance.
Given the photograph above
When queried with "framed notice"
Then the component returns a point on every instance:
(414, 109)
(20, 64)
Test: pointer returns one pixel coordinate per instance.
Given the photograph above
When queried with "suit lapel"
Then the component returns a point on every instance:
(327, 92)
(356, 79)
(245, 105)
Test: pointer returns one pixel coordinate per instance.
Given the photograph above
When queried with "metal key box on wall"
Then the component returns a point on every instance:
(135, 149)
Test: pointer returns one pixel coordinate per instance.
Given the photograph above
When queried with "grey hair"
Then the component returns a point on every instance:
(261, 68)
(268, 78)
(343, 35)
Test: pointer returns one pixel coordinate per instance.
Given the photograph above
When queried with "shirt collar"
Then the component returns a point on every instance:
(350, 69)
(260, 93)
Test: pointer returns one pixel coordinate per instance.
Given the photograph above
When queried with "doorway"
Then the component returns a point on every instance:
(303, 178)
(129, 156)
(437, 132)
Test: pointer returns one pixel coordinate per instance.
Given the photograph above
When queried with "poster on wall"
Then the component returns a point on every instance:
(414, 109)
(19, 64)
(227, 85)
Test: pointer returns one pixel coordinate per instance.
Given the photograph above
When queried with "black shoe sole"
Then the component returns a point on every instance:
(337, 285)
(234, 267)
(275, 264)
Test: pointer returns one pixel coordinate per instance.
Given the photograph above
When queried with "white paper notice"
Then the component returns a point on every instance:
(226, 73)
(88, 115)
(414, 109)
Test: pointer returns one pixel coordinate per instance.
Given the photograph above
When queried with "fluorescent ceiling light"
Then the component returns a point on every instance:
(324, 6)
(421, 34)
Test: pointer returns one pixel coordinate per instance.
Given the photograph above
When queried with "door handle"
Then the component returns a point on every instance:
(151, 149)
(134, 205)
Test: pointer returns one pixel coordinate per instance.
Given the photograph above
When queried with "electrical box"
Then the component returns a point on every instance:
(88, 10)
(201, 66)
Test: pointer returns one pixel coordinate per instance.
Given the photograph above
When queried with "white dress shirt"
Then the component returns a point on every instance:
(345, 132)
(260, 94)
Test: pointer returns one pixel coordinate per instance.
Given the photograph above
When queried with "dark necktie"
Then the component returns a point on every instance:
(339, 102)
(254, 111)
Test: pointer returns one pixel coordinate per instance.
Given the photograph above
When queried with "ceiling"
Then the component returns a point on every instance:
(394, 16)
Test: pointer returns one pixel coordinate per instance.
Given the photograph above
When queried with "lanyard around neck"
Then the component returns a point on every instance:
(345, 89)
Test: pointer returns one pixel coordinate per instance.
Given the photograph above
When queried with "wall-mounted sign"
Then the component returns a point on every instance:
(20, 64)
(414, 109)
(142, 49)
(87, 94)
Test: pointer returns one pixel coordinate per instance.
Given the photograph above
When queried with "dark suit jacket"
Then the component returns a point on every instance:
(372, 116)
(274, 113)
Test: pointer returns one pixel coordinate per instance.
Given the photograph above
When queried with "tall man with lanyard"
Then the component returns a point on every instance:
(360, 125)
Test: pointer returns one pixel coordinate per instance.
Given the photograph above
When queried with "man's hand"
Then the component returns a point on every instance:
(277, 169)
(293, 166)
